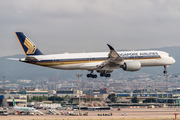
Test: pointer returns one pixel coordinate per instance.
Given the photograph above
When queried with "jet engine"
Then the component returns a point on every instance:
(131, 66)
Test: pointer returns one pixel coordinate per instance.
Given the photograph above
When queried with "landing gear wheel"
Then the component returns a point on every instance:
(165, 71)
(107, 75)
(91, 75)
(102, 74)
(94, 76)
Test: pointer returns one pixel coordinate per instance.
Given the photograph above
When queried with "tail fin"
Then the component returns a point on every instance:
(14, 103)
(27, 45)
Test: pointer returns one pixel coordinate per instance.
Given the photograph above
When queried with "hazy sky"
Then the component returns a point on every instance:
(58, 26)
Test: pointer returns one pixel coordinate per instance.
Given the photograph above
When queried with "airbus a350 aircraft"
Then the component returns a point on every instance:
(102, 62)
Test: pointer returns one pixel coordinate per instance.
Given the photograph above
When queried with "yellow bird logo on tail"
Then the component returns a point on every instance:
(30, 46)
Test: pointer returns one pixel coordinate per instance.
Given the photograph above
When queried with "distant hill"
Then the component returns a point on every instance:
(13, 69)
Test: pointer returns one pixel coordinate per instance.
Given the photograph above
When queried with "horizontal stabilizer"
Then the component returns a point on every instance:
(12, 58)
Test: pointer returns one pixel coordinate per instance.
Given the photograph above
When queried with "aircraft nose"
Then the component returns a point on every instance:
(173, 60)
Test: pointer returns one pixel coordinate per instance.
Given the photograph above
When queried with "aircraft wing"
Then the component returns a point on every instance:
(113, 60)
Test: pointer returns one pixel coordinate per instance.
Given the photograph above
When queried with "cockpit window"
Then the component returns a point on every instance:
(169, 55)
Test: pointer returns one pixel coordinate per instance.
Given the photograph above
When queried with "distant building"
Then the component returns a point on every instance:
(167, 100)
(64, 86)
(24, 81)
(72, 93)
(159, 94)
(65, 92)
(51, 92)
(30, 93)
(146, 91)
(102, 96)
(2, 91)
(21, 100)
(36, 91)
(3, 102)
(103, 90)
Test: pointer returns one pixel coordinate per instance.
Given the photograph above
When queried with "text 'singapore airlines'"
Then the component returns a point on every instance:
(101, 62)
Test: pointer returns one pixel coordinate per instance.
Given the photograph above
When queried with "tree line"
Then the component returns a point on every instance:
(45, 98)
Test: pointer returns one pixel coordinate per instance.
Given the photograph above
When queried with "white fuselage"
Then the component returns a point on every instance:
(89, 61)
(24, 109)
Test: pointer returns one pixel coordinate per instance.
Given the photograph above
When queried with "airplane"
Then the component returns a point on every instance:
(27, 110)
(101, 62)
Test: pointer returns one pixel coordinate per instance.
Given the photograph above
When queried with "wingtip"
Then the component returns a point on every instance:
(110, 47)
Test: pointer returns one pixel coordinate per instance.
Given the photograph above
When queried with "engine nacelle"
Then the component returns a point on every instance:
(131, 66)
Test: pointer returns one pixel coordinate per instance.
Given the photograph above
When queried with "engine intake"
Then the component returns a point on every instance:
(131, 66)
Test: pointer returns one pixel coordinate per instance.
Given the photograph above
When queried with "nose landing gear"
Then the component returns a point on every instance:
(165, 71)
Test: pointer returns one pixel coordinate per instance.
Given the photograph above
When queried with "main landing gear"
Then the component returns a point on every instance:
(105, 75)
(91, 75)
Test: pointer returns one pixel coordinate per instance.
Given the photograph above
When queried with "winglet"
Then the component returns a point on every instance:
(110, 47)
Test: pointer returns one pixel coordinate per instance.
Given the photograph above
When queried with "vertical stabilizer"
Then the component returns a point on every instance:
(27, 45)
(14, 103)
